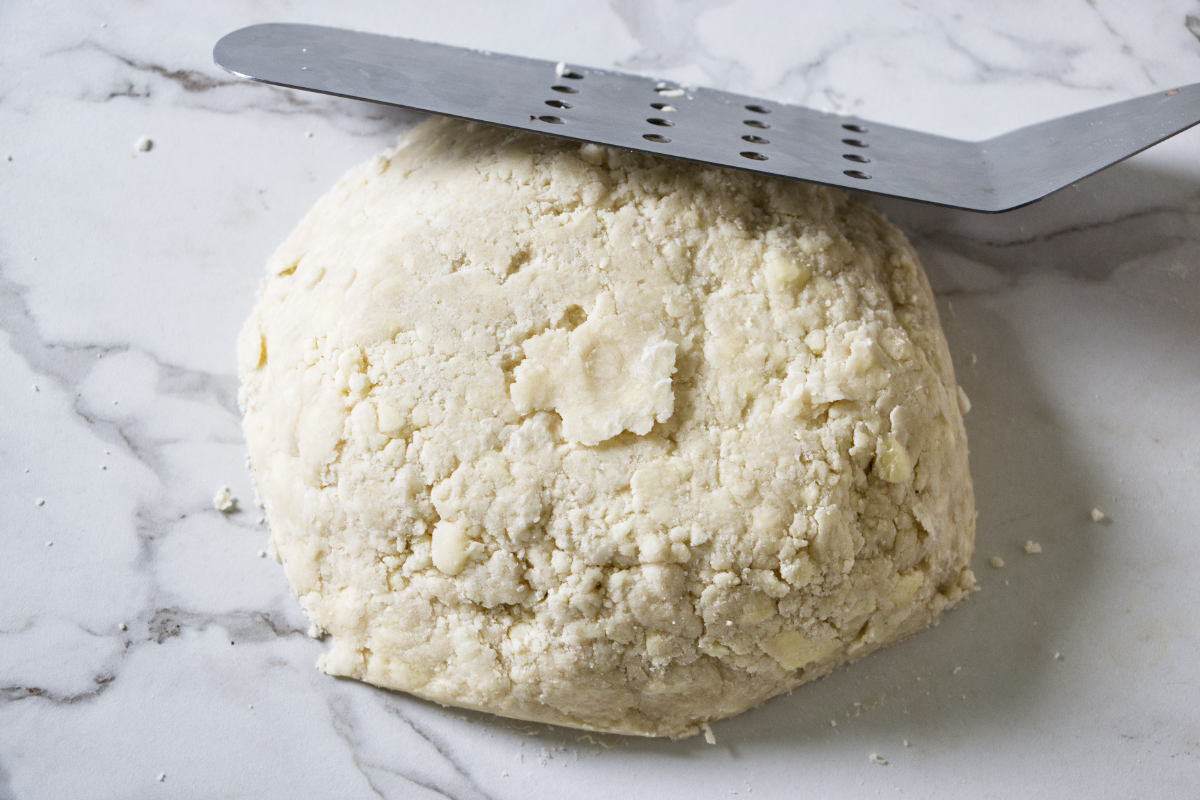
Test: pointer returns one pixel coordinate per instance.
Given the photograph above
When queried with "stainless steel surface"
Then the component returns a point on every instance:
(706, 125)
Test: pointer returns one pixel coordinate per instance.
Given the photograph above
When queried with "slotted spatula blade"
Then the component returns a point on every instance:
(707, 125)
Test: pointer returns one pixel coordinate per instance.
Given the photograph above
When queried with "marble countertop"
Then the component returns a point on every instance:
(147, 649)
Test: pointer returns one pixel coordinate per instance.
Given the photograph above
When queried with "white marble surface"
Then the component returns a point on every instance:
(124, 276)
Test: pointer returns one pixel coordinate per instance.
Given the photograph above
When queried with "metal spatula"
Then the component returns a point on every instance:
(707, 125)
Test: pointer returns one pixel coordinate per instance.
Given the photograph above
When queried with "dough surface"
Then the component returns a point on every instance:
(582, 436)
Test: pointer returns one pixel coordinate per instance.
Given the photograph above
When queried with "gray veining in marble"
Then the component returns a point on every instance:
(148, 650)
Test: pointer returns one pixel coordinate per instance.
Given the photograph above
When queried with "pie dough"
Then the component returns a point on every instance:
(582, 436)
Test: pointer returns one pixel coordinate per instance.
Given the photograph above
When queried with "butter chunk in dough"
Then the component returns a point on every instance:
(581, 436)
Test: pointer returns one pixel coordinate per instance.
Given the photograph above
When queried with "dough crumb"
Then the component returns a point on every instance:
(1058, 656)
(709, 736)
(262, 553)
(964, 402)
(1032, 547)
(451, 547)
(49, 543)
(878, 759)
(162, 776)
(224, 501)
(996, 562)
(39, 501)
(906, 742)
(1098, 515)
(121, 626)
(144, 144)
(956, 670)
(593, 153)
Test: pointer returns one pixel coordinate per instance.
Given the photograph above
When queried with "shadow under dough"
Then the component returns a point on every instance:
(983, 664)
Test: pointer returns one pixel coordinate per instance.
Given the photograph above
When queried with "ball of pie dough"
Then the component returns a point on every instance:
(583, 436)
